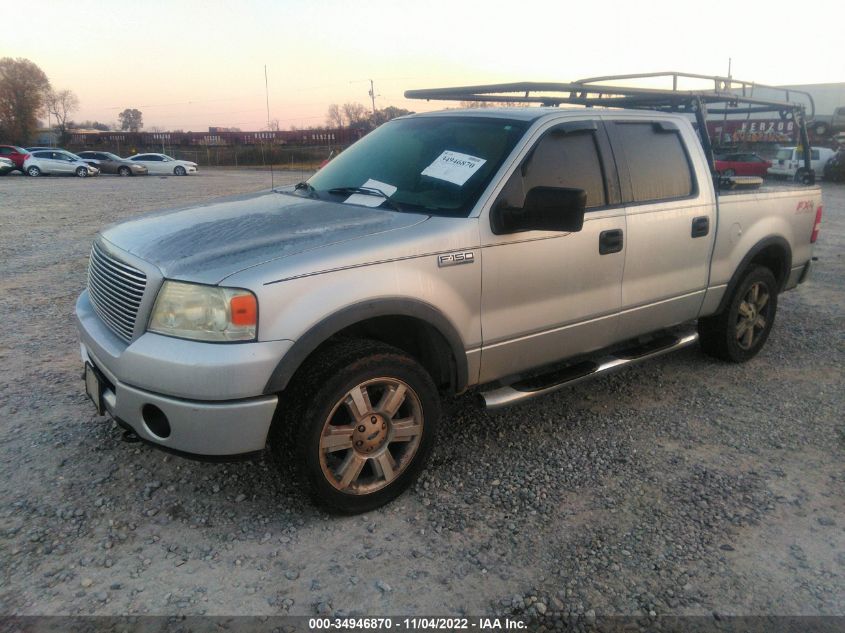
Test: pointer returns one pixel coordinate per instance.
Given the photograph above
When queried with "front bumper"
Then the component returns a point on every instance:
(211, 394)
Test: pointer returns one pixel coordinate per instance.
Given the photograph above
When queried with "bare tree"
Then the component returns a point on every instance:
(491, 104)
(334, 116)
(131, 119)
(95, 125)
(60, 104)
(356, 114)
(23, 88)
(386, 114)
(273, 126)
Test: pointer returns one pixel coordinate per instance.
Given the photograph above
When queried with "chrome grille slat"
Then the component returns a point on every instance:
(116, 290)
(115, 278)
(130, 270)
(131, 301)
(116, 310)
(120, 272)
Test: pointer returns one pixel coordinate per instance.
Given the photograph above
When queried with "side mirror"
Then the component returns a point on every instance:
(545, 209)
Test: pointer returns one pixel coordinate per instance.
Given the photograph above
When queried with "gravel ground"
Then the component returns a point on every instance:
(683, 486)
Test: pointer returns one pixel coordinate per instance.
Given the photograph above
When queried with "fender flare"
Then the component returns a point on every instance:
(358, 312)
(750, 255)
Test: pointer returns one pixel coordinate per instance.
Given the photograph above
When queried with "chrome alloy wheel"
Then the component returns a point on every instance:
(365, 446)
(752, 315)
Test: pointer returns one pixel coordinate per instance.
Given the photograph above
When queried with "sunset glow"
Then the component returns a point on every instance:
(190, 65)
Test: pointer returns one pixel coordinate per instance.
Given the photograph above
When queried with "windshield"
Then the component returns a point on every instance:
(784, 154)
(439, 165)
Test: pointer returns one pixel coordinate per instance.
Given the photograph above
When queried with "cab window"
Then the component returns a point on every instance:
(657, 162)
(560, 160)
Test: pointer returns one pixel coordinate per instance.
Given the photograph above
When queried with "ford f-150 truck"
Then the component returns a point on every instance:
(513, 250)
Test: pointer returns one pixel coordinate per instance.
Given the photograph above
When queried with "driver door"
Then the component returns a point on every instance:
(551, 295)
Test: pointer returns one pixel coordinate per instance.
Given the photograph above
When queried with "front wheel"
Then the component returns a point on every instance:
(82, 172)
(124, 171)
(363, 416)
(739, 332)
(180, 171)
(33, 171)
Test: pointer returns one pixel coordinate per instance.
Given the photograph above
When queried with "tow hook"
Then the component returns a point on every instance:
(130, 437)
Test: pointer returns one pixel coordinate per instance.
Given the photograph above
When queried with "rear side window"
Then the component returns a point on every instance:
(657, 162)
(561, 160)
(43, 154)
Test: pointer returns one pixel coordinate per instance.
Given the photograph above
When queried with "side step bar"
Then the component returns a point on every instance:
(535, 387)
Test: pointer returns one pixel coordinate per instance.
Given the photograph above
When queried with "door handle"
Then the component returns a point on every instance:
(610, 241)
(700, 226)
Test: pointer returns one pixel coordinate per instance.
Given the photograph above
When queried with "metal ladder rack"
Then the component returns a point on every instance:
(592, 92)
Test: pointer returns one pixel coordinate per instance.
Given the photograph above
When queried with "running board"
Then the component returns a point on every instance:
(540, 386)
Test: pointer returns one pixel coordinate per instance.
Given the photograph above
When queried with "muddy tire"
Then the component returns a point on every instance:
(362, 417)
(739, 332)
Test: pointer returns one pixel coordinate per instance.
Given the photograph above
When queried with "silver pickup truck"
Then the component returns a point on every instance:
(515, 250)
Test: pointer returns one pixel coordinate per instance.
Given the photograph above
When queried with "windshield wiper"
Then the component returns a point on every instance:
(312, 193)
(367, 191)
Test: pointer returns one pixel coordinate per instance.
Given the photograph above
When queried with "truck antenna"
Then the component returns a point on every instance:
(267, 96)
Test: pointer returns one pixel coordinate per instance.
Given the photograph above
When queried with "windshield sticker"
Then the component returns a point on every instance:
(454, 167)
(367, 200)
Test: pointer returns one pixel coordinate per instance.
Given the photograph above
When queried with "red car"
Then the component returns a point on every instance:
(742, 165)
(15, 154)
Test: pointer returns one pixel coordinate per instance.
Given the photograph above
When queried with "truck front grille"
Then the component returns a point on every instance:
(116, 290)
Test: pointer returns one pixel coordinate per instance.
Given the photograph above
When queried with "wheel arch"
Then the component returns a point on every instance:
(773, 252)
(414, 326)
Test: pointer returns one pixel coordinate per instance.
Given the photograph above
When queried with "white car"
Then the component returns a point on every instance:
(57, 162)
(789, 159)
(164, 164)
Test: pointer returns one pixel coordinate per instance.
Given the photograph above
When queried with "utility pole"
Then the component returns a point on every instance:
(373, 95)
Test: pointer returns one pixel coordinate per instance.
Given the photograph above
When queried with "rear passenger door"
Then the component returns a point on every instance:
(671, 223)
(548, 295)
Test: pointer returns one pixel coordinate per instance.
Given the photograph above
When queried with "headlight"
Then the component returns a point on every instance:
(204, 313)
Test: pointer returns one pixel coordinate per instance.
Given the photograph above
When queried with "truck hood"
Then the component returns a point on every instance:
(209, 242)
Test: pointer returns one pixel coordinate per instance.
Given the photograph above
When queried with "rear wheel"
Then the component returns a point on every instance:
(82, 172)
(363, 417)
(180, 171)
(124, 171)
(739, 332)
(820, 129)
(33, 171)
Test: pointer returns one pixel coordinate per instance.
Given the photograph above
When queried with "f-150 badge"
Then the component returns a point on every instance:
(453, 259)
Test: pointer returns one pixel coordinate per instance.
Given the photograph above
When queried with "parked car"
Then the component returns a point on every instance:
(16, 154)
(6, 166)
(109, 163)
(789, 159)
(368, 282)
(57, 162)
(164, 164)
(834, 168)
(742, 165)
(822, 126)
